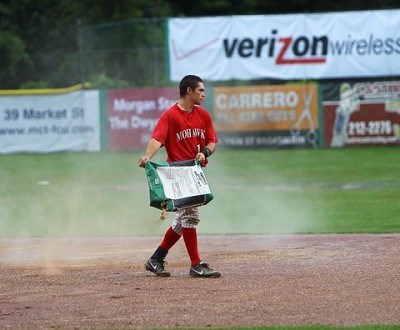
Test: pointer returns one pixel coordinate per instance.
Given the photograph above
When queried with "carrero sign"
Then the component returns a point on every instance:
(278, 115)
(317, 46)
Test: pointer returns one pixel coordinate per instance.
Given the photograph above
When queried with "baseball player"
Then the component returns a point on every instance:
(186, 131)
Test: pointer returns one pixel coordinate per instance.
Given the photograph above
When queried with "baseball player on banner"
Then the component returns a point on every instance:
(187, 132)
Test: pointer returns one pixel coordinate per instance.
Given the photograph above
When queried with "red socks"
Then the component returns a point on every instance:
(190, 238)
(170, 238)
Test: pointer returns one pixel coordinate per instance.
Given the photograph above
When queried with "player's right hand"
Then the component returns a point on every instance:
(143, 160)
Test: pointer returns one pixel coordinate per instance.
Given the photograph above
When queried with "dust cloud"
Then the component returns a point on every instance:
(258, 202)
(75, 203)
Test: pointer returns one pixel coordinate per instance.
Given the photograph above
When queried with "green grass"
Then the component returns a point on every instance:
(307, 191)
(322, 327)
(354, 190)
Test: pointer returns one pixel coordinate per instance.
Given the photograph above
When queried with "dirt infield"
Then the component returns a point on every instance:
(266, 280)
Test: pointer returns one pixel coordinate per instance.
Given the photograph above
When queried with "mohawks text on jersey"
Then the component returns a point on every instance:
(189, 133)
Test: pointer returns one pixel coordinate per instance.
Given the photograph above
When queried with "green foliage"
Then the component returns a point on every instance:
(253, 7)
(132, 50)
(35, 85)
(65, 42)
(13, 53)
(256, 191)
(103, 81)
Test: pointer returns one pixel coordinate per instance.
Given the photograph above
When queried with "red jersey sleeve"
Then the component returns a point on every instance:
(160, 132)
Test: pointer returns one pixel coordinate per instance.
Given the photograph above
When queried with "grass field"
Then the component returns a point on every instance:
(325, 327)
(256, 191)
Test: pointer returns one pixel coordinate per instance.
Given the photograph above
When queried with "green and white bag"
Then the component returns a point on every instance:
(177, 185)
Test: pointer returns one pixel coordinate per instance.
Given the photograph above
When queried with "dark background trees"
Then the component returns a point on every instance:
(58, 43)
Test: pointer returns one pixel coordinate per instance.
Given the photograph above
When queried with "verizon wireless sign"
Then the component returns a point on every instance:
(298, 46)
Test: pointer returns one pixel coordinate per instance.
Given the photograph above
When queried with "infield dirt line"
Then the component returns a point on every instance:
(266, 280)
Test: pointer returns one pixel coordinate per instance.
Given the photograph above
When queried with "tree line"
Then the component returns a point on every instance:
(59, 43)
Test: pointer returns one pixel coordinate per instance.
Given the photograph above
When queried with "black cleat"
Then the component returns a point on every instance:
(203, 270)
(157, 267)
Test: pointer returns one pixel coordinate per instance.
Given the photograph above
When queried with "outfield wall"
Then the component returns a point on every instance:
(131, 115)
(305, 115)
(361, 113)
(50, 121)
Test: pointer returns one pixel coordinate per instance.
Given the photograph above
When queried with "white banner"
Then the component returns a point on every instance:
(295, 46)
(49, 123)
(183, 181)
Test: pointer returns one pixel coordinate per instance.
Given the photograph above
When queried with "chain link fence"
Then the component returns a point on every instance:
(131, 53)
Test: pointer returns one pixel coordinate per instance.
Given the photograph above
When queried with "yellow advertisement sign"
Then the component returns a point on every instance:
(266, 108)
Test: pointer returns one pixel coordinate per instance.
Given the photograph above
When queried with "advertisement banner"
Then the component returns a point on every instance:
(291, 46)
(275, 115)
(50, 123)
(133, 113)
(366, 113)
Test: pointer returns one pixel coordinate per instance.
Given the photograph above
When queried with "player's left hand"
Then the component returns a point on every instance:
(201, 158)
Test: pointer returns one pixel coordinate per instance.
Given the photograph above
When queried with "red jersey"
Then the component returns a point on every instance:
(184, 134)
